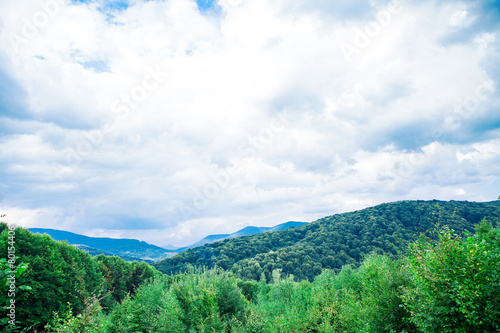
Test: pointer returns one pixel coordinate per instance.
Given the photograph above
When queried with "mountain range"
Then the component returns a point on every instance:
(128, 249)
(247, 231)
(132, 249)
(298, 248)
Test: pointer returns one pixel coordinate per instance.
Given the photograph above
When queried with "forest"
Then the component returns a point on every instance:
(333, 241)
(440, 272)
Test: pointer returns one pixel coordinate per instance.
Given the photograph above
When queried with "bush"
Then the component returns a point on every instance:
(199, 301)
(383, 281)
(153, 309)
(457, 282)
(91, 320)
(207, 298)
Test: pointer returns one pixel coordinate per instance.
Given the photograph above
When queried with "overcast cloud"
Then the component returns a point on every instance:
(170, 120)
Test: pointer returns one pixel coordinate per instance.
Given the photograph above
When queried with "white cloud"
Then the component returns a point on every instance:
(136, 122)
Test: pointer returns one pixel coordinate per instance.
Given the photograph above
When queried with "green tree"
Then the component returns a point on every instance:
(121, 278)
(10, 272)
(61, 277)
(383, 281)
(208, 299)
(456, 282)
(154, 308)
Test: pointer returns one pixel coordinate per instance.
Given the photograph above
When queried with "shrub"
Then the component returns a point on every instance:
(457, 282)
(153, 309)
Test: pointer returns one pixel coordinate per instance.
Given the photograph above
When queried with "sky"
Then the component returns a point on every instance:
(170, 120)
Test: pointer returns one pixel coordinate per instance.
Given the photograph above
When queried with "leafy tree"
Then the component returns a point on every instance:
(250, 289)
(207, 298)
(457, 281)
(10, 272)
(115, 271)
(154, 308)
(383, 281)
(60, 276)
(8, 275)
(121, 278)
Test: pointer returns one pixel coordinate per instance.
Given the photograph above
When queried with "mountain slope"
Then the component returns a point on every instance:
(333, 241)
(206, 240)
(95, 252)
(128, 249)
(247, 231)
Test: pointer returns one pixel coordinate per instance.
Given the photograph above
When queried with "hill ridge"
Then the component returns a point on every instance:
(246, 231)
(333, 241)
(126, 248)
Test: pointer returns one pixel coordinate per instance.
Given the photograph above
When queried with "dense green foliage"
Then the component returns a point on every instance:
(333, 241)
(198, 301)
(446, 284)
(457, 283)
(121, 277)
(10, 272)
(58, 274)
(63, 278)
(363, 300)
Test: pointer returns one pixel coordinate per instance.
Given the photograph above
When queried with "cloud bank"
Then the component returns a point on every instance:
(170, 120)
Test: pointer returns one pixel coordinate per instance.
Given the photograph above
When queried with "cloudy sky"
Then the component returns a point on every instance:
(168, 120)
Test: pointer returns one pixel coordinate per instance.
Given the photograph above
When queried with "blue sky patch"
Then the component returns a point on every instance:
(99, 66)
(205, 4)
(118, 5)
(108, 5)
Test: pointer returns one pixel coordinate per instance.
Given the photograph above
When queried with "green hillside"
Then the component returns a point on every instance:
(95, 252)
(128, 249)
(333, 241)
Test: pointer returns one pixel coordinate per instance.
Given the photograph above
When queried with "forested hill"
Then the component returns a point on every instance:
(128, 249)
(333, 241)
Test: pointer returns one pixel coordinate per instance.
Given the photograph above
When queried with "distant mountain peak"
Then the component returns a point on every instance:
(246, 231)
